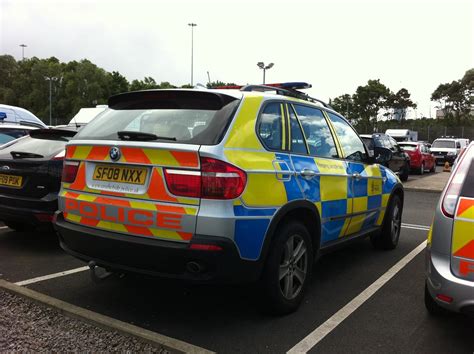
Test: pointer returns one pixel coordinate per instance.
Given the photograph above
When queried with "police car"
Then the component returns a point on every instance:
(245, 183)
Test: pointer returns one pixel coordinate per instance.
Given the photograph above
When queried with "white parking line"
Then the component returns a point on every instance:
(3, 227)
(327, 327)
(415, 227)
(51, 276)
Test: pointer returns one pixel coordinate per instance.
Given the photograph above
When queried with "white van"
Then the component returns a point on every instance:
(447, 148)
(402, 134)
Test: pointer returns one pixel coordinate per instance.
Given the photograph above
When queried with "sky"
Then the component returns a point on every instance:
(336, 45)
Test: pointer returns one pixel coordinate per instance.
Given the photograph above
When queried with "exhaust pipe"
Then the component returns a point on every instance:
(194, 267)
(98, 274)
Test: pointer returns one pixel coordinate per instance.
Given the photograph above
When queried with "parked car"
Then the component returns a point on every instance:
(421, 158)
(266, 180)
(446, 149)
(450, 251)
(30, 175)
(400, 161)
(18, 115)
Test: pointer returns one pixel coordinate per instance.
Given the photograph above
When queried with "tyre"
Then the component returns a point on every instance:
(404, 172)
(21, 227)
(421, 170)
(433, 168)
(288, 269)
(387, 238)
(431, 306)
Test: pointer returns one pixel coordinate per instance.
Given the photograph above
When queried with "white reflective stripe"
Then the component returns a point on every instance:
(221, 174)
(415, 227)
(183, 172)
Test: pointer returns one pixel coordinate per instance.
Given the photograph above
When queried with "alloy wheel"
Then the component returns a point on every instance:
(293, 267)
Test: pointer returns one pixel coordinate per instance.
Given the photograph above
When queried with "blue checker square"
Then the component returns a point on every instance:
(249, 236)
(360, 188)
(334, 208)
(332, 230)
(374, 202)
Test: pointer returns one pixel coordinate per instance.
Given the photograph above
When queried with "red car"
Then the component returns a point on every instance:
(421, 158)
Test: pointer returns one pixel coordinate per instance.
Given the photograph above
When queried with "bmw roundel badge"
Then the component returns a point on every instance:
(114, 153)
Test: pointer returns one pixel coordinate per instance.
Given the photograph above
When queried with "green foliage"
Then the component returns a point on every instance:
(218, 83)
(456, 98)
(399, 102)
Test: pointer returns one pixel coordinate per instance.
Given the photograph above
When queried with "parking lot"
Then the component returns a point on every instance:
(227, 318)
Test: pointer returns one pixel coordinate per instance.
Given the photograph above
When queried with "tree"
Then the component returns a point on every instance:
(218, 83)
(344, 104)
(148, 83)
(456, 98)
(398, 103)
(117, 83)
(368, 101)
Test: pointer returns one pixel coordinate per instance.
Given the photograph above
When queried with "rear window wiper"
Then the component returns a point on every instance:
(139, 136)
(25, 155)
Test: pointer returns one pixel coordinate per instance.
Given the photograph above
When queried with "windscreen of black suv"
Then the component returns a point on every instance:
(174, 116)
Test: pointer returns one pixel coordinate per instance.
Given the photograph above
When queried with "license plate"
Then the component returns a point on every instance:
(10, 180)
(121, 174)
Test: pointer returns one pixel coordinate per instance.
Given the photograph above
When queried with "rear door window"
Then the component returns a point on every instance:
(297, 142)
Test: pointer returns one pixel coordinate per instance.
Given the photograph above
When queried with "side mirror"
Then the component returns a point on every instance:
(382, 155)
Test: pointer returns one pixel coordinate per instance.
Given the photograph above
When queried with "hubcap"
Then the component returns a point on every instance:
(396, 222)
(293, 267)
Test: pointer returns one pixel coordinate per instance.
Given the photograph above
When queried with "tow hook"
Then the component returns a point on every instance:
(98, 274)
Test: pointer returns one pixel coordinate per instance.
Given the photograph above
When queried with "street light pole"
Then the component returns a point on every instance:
(262, 66)
(192, 48)
(50, 79)
(23, 46)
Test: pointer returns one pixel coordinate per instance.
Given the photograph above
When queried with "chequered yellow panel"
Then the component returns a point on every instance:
(333, 188)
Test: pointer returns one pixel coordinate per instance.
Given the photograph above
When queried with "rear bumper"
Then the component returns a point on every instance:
(443, 159)
(134, 254)
(28, 210)
(440, 280)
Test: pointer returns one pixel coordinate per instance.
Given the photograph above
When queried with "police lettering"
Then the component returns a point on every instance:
(117, 214)
(466, 267)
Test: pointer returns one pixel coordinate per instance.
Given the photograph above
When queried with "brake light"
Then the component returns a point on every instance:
(216, 180)
(451, 195)
(70, 169)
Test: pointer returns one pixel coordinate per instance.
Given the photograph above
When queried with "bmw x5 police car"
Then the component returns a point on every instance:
(245, 184)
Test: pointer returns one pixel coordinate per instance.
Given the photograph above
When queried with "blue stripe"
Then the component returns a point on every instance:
(240, 210)
(249, 236)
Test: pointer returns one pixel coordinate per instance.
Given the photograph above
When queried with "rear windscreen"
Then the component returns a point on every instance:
(408, 147)
(14, 133)
(45, 148)
(175, 116)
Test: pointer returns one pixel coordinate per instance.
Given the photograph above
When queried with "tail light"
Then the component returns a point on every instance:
(70, 169)
(451, 195)
(216, 180)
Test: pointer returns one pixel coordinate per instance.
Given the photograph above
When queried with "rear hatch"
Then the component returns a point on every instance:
(411, 150)
(136, 169)
(31, 167)
(462, 249)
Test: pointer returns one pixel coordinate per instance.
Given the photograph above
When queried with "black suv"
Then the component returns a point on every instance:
(400, 161)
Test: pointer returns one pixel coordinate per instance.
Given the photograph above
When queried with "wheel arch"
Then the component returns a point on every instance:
(301, 210)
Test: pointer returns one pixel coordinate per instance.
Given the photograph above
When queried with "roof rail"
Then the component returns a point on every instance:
(284, 92)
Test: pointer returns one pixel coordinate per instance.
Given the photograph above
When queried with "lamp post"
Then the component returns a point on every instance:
(23, 46)
(50, 79)
(262, 66)
(192, 25)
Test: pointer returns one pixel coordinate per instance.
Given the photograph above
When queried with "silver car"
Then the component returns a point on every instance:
(450, 251)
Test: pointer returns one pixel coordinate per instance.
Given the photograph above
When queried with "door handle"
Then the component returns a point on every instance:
(356, 176)
(308, 174)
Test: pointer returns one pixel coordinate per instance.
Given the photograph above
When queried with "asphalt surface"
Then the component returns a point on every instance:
(228, 318)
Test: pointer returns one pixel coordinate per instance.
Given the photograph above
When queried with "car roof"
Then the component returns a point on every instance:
(16, 126)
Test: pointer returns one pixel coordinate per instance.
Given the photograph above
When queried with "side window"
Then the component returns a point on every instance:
(270, 126)
(351, 144)
(316, 131)
(297, 144)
